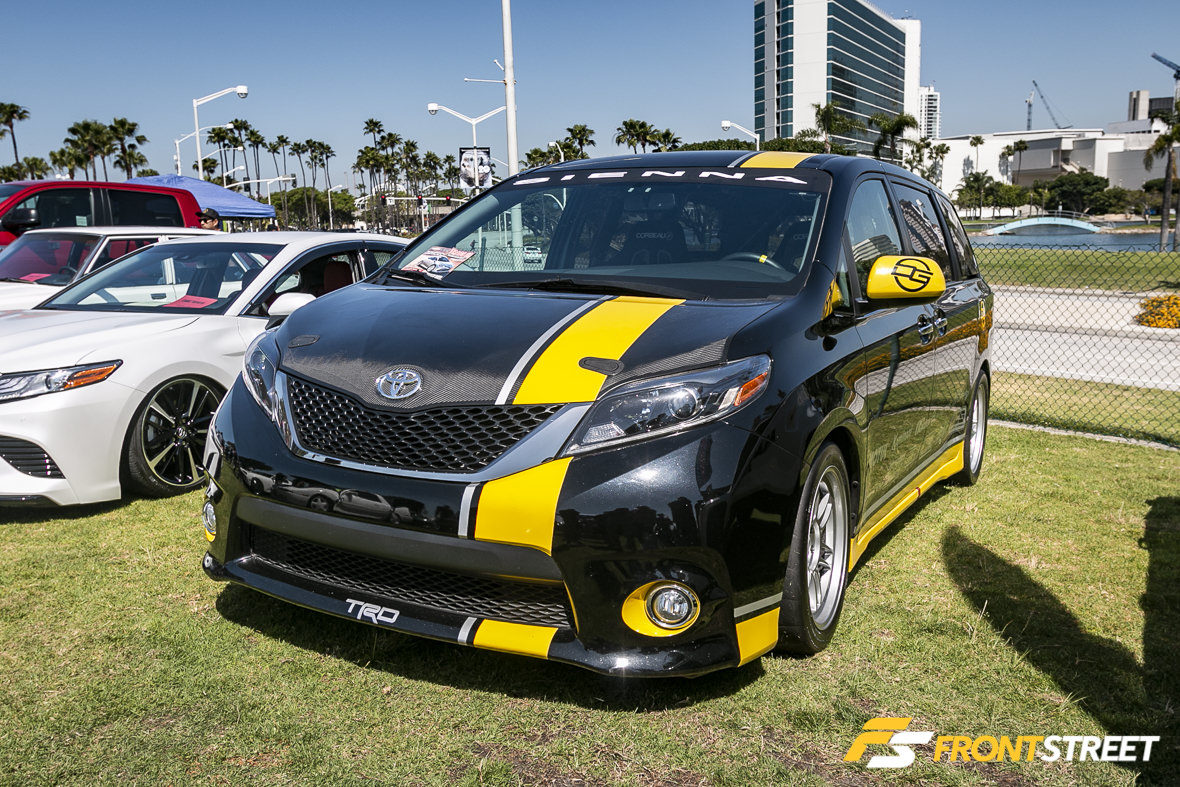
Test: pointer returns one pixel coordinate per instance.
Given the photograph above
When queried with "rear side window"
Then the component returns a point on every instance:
(375, 258)
(146, 208)
(116, 248)
(872, 231)
(959, 240)
(62, 208)
(921, 222)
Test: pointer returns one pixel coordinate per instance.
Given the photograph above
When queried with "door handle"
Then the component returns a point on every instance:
(925, 329)
(159, 296)
(940, 321)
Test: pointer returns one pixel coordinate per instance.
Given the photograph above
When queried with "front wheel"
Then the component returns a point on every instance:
(163, 448)
(976, 436)
(817, 564)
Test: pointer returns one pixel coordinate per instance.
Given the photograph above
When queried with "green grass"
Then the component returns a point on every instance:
(1103, 408)
(1134, 271)
(1044, 600)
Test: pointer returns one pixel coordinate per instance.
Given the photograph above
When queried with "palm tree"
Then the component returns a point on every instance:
(256, 141)
(299, 150)
(66, 160)
(582, 136)
(1162, 147)
(9, 115)
(240, 133)
(35, 168)
(221, 138)
(432, 164)
(373, 127)
(938, 154)
(666, 140)
(125, 134)
(91, 139)
(1018, 147)
(892, 128)
(274, 148)
(831, 121)
(1007, 153)
(629, 133)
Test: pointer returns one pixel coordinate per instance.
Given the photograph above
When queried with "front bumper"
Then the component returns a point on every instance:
(538, 563)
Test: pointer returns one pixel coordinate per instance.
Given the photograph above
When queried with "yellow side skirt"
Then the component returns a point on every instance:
(944, 466)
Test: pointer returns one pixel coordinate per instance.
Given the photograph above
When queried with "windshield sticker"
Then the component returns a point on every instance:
(439, 260)
(34, 276)
(192, 302)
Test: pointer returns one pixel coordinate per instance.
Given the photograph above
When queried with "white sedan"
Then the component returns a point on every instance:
(111, 384)
(39, 263)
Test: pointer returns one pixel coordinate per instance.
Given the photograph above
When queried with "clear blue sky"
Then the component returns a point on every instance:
(318, 70)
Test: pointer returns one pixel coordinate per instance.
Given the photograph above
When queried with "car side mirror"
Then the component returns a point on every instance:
(896, 277)
(18, 220)
(287, 303)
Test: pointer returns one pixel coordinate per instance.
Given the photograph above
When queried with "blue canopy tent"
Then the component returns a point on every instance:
(230, 204)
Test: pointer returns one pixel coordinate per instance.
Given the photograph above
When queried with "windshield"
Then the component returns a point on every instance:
(8, 189)
(171, 277)
(696, 233)
(48, 258)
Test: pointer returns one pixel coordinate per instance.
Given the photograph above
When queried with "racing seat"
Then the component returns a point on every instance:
(653, 242)
(337, 274)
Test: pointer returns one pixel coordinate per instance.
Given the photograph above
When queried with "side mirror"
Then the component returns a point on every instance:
(288, 302)
(893, 277)
(18, 220)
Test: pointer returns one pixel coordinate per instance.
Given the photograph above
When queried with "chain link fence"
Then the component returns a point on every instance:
(1086, 338)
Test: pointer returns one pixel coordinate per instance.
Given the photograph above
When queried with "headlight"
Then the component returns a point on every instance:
(260, 369)
(24, 385)
(670, 404)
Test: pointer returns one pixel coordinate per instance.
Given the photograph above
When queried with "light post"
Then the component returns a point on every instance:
(727, 124)
(266, 182)
(560, 152)
(331, 226)
(186, 136)
(242, 92)
(226, 174)
(433, 109)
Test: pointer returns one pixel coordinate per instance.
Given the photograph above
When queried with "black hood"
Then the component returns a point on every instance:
(476, 347)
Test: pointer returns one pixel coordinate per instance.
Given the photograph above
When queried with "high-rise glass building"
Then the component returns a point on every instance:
(809, 52)
(929, 112)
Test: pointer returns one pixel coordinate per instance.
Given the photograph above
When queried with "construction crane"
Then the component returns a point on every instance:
(1048, 108)
(1175, 74)
(1028, 120)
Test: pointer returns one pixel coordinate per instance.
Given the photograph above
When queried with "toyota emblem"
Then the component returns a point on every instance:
(399, 383)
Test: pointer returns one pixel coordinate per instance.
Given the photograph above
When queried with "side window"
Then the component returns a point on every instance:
(314, 275)
(118, 247)
(142, 207)
(378, 257)
(871, 228)
(62, 208)
(921, 222)
(959, 240)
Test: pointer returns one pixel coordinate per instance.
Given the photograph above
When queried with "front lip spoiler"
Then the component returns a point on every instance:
(690, 659)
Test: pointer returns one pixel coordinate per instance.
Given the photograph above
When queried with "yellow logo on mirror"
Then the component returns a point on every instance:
(893, 277)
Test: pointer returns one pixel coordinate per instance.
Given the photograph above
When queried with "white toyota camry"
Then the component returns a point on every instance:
(111, 384)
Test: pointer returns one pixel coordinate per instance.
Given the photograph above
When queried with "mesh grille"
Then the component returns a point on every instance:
(516, 602)
(454, 439)
(29, 458)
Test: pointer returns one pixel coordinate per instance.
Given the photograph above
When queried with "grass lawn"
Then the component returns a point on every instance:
(1045, 600)
(1134, 271)
(1104, 408)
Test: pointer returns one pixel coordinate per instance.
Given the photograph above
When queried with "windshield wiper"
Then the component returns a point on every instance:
(12, 278)
(566, 284)
(420, 278)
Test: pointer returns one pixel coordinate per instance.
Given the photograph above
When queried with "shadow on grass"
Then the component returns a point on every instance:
(893, 528)
(469, 668)
(32, 515)
(1108, 682)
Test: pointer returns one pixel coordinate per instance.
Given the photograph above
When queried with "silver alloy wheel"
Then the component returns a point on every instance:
(978, 428)
(827, 545)
(174, 428)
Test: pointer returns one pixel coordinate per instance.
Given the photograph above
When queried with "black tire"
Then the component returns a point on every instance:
(164, 443)
(805, 626)
(975, 437)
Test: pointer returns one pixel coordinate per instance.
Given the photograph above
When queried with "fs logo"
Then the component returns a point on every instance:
(891, 732)
(912, 274)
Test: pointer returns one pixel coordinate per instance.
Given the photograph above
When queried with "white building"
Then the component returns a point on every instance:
(809, 52)
(929, 112)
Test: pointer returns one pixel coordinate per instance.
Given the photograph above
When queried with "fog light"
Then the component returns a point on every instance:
(209, 515)
(671, 606)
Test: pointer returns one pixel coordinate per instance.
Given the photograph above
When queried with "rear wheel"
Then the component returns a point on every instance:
(976, 437)
(162, 452)
(817, 564)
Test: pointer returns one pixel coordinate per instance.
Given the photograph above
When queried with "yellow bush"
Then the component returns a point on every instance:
(1160, 311)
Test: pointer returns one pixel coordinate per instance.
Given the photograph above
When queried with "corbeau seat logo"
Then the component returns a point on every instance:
(399, 383)
(912, 274)
(892, 732)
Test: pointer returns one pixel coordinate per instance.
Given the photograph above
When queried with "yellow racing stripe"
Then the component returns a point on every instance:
(945, 466)
(514, 638)
(606, 331)
(521, 508)
(757, 635)
(776, 159)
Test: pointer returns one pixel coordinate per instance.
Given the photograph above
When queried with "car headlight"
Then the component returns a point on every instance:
(670, 404)
(25, 385)
(259, 372)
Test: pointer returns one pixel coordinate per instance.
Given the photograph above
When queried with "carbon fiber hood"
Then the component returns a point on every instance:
(475, 346)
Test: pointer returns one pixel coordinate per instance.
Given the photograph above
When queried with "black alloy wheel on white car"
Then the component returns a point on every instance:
(162, 452)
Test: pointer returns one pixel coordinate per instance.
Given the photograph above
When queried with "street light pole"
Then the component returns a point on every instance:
(510, 88)
(186, 136)
(560, 152)
(225, 175)
(727, 124)
(331, 225)
(242, 92)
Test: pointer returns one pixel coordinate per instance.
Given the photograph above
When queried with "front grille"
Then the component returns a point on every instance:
(485, 597)
(450, 439)
(29, 458)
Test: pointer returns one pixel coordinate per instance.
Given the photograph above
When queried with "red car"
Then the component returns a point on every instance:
(43, 204)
